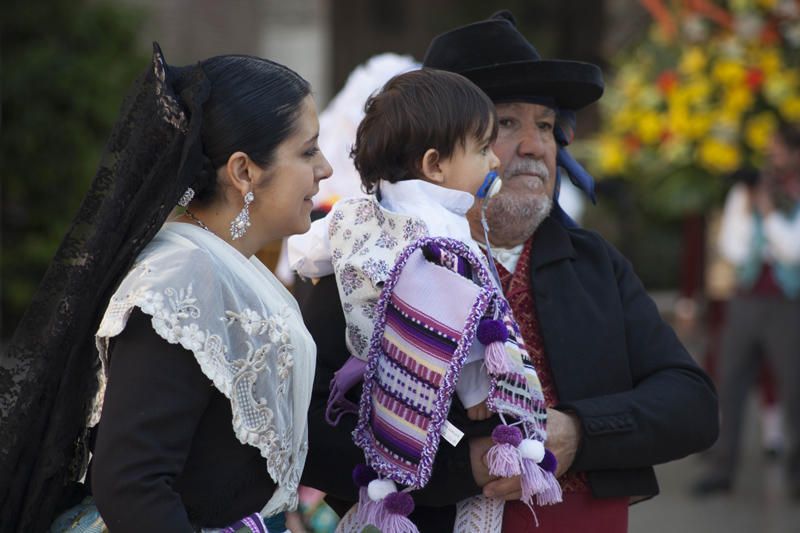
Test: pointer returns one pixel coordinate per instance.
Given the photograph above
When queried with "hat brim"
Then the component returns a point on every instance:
(571, 84)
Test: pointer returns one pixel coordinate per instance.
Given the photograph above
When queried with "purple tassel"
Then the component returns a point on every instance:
(549, 463)
(490, 331)
(538, 482)
(393, 517)
(503, 458)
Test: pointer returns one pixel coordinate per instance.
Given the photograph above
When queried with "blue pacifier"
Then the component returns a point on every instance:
(491, 185)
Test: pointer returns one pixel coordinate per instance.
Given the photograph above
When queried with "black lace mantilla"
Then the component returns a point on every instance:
(48, 372)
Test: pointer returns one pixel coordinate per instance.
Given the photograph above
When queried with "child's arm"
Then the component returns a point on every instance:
(473, 389)
(310, 253)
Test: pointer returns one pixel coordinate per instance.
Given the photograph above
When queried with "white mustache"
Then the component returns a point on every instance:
(528, 166)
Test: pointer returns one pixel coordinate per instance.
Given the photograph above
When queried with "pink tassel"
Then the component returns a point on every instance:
(497, 362)
(365, 513)
(538, 482)
(503, 460)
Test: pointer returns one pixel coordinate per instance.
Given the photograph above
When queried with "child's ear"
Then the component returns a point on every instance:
(432, 166)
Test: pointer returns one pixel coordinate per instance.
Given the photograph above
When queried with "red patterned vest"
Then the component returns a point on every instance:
(519, 293)
(579, 511)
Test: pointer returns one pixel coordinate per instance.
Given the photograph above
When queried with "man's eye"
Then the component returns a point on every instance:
(505, 122)
(545, 126)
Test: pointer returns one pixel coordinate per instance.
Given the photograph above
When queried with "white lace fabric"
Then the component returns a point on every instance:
(246, 332)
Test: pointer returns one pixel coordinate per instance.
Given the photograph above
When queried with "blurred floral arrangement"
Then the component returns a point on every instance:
(698, 98)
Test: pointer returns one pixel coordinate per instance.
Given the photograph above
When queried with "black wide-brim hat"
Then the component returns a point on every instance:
(498, 59)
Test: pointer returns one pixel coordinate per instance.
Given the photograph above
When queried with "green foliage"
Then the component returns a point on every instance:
(66, 67)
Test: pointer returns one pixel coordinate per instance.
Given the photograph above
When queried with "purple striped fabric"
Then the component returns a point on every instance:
(426, 319)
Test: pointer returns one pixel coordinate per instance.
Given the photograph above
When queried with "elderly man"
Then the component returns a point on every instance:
(624, 393)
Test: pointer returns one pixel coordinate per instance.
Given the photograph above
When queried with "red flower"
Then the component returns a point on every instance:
(667, 81)
(754, 78)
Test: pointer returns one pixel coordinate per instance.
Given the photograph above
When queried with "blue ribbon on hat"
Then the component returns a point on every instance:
(564, 133)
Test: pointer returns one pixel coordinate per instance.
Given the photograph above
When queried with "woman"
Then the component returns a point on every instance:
(206, 365)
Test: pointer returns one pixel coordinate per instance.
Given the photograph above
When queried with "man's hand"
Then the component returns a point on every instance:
(493, 486)
(563, 438)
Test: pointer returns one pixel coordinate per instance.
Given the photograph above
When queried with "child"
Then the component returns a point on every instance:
(424, 150)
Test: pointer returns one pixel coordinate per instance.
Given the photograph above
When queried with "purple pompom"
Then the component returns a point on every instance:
(490, 331)
(363, 474)
(507, 435)
(549, 462)
(399, 503)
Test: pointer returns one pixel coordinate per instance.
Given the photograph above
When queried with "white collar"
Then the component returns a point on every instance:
(394, 196)
(508, 257)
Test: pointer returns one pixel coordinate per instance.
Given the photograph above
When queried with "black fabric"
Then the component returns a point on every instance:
(47, 374)
(640, 397)
(166, 457)
(498, 59)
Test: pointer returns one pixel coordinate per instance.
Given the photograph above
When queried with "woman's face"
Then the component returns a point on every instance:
(282, 204)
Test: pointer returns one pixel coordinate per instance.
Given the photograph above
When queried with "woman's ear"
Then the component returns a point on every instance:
(432, 166)
(237, 172)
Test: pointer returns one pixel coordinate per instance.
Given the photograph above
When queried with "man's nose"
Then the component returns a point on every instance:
(530, 142)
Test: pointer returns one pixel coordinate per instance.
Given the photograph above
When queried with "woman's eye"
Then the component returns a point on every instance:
(312, 152)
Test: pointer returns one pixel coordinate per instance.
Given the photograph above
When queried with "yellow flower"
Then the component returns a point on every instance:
(758, 130)
(700, 125)
(737, 99)
(728, 72)
(718, 156)
(769, 61)
(790, 108)
(698, 91)
(680, 121)
(780, 86)
(650, 127)
(611, 155)
(692, 61)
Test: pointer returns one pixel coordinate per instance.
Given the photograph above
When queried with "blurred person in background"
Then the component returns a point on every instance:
(760, 236)
(623, 393)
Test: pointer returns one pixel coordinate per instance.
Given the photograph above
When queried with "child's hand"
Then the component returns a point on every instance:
(478, 412)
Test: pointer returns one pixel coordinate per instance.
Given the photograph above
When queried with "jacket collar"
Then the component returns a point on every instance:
(551, 242)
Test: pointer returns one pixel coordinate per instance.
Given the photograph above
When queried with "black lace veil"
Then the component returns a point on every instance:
(48, 372)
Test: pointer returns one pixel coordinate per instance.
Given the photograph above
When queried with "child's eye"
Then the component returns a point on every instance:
(485, 150)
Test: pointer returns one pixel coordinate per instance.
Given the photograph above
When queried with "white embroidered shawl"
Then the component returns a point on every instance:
(246, 332)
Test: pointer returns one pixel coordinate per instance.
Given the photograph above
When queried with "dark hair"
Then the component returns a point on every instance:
(789, 133)
(252, 108)
(414, 112)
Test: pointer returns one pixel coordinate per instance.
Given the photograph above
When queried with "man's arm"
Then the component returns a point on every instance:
(671, 409)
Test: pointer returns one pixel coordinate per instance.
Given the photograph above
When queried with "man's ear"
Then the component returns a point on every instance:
(432, 166)
(237, 172)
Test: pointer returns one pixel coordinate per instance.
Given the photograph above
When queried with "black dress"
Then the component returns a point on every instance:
(166, 457)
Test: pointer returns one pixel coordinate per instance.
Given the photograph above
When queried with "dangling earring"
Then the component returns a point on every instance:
(240, 224)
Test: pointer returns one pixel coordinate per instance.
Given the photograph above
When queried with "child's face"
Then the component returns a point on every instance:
(467, 167)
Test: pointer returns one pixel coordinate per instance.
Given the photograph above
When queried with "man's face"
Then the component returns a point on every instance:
(526, 147)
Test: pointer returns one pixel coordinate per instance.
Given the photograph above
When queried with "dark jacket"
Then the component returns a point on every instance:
(641, 398)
